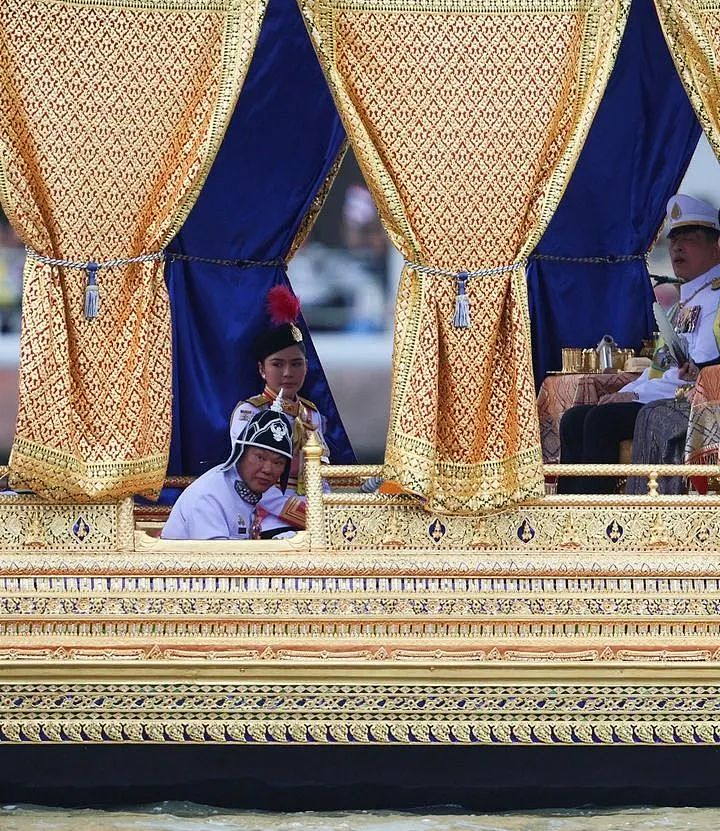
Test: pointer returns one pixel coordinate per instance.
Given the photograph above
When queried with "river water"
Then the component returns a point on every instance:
(188, 817)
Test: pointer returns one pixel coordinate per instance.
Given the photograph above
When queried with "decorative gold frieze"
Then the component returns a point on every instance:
(553, 525)
(212, 652)
(317, 586)
(168, 606)
(208, 632)
(312, 713)
(27, 523)
(377, 591)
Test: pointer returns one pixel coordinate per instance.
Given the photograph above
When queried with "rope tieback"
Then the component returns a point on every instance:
(278, 262)
(92, 290)
(608, 259)
(461, 318)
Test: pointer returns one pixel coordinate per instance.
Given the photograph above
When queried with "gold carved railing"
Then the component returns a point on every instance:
(340, 521)
(567, 620)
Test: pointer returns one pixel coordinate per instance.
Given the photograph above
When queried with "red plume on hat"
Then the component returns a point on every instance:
(284, 310)
(283, 306)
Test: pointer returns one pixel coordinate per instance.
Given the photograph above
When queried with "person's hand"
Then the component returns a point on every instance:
(618, 398)
(688, 371)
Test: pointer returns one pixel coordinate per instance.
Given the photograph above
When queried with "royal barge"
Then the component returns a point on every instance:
(465, 635)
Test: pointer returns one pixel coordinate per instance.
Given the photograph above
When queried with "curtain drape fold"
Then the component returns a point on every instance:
(267, 183)
(467, 119)
(110, 116)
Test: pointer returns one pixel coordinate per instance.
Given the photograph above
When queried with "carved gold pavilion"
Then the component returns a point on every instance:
(573, 620)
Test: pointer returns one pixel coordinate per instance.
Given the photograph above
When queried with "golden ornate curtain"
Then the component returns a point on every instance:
(467, 117)
(692, 32)
(111, 114)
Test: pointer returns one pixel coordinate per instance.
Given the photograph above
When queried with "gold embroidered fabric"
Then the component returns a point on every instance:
(692, 32)
(307, 222)
(467, 118)
(111, 114)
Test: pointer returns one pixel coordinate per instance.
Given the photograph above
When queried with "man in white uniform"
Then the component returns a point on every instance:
(224, 503)
(591, 434)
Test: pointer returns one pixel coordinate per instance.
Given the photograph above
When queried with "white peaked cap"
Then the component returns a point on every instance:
(686, 210)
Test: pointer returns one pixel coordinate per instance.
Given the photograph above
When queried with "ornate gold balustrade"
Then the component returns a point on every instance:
(569, 620)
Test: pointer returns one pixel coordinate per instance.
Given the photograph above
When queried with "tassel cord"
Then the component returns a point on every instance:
(461, 318)
(468, 275)
(92, 293)
(85, 265)
(92, 289)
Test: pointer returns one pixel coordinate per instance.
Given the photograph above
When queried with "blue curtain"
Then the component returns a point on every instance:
(635, 156)
(283, 139)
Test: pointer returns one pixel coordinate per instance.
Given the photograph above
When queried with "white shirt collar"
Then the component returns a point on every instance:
(687, 289)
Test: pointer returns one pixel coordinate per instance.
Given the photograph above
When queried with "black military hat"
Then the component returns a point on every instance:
(284, 310)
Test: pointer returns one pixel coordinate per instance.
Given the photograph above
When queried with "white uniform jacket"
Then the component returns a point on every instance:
(702, 341)
(211, 509)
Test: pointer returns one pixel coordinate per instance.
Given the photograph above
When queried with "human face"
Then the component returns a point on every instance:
(260, 469)
(285, 369)
(692, 253)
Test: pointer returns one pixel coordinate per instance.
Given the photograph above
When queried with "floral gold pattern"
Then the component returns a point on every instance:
(692, 32)
(347, 713)
(547, 526)
(110, 116)
(27, 524)
(467, 118)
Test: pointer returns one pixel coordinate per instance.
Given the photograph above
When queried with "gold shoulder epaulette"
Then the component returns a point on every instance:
(308, 403)
(258, 400)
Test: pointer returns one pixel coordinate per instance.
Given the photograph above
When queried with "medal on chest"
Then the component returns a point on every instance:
(687, 320)
(256, 526)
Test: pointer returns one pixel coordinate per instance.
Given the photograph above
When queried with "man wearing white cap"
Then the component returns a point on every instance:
(224, 503)
(592, 433)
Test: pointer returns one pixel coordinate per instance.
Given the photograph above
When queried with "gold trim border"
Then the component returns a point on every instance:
(297, 642)
(313, 211)
(521, 704)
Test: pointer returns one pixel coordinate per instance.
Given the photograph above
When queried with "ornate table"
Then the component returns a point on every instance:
(562, 391)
